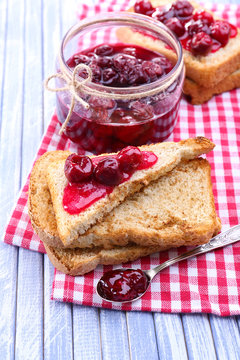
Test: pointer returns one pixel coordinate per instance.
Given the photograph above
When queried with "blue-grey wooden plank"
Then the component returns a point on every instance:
(198, 337)
(226, 337)
(170, 337)
(29, 320)
(86, 333)
(3, 32)
(57, 321)
(29, 324)
(8, 281)
(114, 335)
(51, 28)
(10, 163)
(142, 338)
(33, 88)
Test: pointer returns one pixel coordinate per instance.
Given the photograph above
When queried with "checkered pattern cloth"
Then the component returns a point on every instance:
(209, 283)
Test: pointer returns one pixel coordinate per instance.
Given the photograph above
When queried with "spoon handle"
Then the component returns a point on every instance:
(227, 237)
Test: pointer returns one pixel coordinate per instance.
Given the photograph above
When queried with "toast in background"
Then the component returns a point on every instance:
(169, 155)
(206, 71)
(199, 94)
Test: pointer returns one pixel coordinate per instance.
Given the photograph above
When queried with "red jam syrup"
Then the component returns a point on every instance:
(197, 30)
(107, 172)
(109, 125)
(122, 285)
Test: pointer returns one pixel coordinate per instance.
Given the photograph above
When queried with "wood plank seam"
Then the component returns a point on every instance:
(158, 350)
(4, 62)
(16, 291)
(72, 332)
(184, 337)
(212, 336)
(128, 336)
(100, 334)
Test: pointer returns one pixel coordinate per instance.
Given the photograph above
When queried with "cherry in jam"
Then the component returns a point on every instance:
(221, 31)
(201, 43)
(108, 171)
(105, 173)
(122, 285)
(187, 23)
(78, 168)
(129, 158)
(119, 66)
(143, 7)
(110, 125)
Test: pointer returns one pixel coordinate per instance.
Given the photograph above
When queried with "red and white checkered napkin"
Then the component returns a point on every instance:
(209, 283)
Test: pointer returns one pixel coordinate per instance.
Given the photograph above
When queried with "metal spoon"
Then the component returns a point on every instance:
(225, 238)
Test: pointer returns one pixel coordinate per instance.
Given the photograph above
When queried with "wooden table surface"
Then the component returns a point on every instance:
(31, 325)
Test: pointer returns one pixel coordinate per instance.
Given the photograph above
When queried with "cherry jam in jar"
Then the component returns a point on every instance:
(133, 94)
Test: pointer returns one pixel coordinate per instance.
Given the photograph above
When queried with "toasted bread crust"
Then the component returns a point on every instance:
(40, 211)
(206, 71)
(79, 262)
(169, 155)
(199, 94)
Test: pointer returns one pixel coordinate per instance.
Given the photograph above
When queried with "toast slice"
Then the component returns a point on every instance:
(206, 71)
(169, 156)
(199, 94)
(80, 261)
(166, 213)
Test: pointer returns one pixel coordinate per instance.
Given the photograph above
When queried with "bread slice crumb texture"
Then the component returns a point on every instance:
(169, 156)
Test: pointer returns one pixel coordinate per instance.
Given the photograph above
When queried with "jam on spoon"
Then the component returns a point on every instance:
(122, 285)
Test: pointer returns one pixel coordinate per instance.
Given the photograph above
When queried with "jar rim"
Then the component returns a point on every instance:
(131, 19)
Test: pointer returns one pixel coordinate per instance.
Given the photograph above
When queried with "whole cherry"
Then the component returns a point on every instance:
(176, 26)
(220, 31)
(204, 16)
(141, 111)
(78, 168)
(78, 59)
(201, 44)
(164, 62)
(108, 172)
(163, 14)
(129, 158)
(143, 7)
(183, 9)
(197, 26)
(104, 50)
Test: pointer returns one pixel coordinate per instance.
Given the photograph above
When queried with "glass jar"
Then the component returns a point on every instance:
(97, 128)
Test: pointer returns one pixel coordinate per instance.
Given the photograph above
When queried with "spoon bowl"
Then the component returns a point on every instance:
(123, 285)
